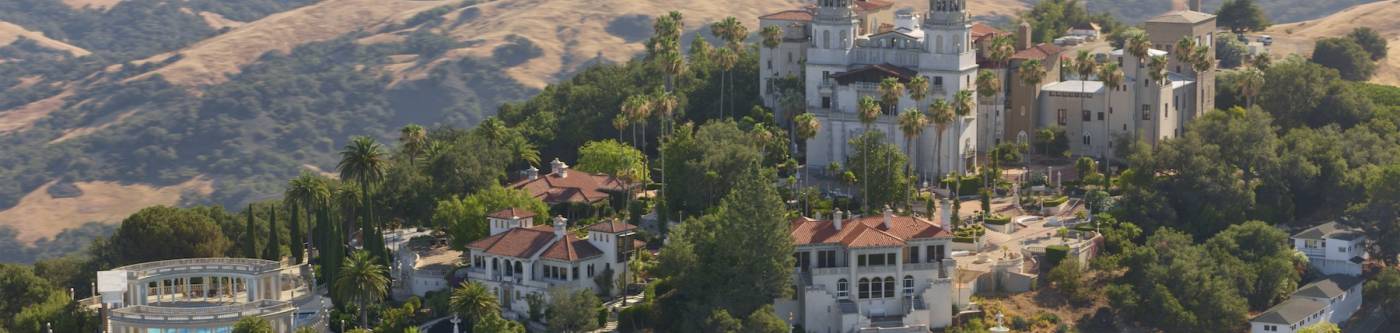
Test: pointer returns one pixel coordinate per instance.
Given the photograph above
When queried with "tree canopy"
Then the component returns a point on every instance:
(1241, 16)
(182, 233)
(465, 218)
(885, 178)
(1346, 56)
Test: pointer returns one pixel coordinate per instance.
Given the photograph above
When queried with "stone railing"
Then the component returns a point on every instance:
(237, 264)
(831, 271)
(155, 313)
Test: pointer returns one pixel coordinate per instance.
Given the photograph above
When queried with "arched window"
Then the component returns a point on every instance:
(875, 288)
(519, 268)
(908, 285)
(842, 288)
(889, 287)
(864, 286)
(509, 272)
(495, 265)
(938, 46)
(826, 39)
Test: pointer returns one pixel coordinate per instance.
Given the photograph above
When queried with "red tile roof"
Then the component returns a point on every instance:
(980, 30)
(576, 187)
(525, 242)
(869, 5)
(512, 214)
(611, 226)
(799, 15)
(571, 249)
(865, 231)
(1039, 52)
(518, 242)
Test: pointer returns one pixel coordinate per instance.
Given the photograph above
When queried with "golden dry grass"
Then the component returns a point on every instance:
(9, 32)
(216, 21)
(1384, 17)
(40, 215)
(208, 61)
(22, 117)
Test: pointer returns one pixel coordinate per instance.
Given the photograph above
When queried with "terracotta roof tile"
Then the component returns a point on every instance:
(512, 214)
(868, 5)
(576, 186)
(799, 15)
(611, 226)
(980, 30)
(1039, 52)
(865, 231)
(571, 249)
(518, 242)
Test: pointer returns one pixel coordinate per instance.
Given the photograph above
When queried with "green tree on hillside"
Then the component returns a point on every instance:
(250, 242)
(181, 233)
(1241, 16)
(310, 193)
(364, 162)
(1346, 56)
(1371, 41)
(465, 217)
(273, 250)
(744, 242)
(885, 182)
(706, 159)
(614, 159)
(362, 280)
(573, 310)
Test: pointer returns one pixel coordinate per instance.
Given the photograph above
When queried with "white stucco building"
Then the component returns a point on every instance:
(848, 51)
(425, 264)
(206, 295)
(1333, 248)
(882, 273)
(519, 258)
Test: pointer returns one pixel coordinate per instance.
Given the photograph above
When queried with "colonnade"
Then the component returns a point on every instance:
(205, 289)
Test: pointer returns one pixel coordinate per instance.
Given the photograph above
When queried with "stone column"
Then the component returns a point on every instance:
(204, 286)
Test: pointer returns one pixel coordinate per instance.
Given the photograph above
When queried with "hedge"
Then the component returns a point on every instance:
(1056, 201)
(998, 219)
(970, 184)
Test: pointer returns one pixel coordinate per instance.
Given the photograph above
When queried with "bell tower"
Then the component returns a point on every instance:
(947, 29)
(834, 27)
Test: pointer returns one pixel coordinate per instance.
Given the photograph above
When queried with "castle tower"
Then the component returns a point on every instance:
(950, 61)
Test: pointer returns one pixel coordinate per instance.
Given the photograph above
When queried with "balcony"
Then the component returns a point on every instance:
(831, 271)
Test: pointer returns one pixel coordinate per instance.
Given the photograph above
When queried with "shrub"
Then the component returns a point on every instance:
(1054, 254)
(998, 219)
(1056, 201)
(967, 184)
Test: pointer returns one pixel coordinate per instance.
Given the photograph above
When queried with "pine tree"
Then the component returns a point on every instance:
(296, 239)
(273, 251)
(250, 243)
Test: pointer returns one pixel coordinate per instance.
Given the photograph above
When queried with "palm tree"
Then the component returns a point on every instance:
(1000, 49)
(664, 105)
(772, 36)
(890, 88)
(473, 301)
(364, 162)
(619, 123)
(733, 32)
(941, 114)
(1138, 45)
(912, 124)
(805, 126)
(1084, 65)
(362, 280)
(1157, 71)
(1249, 84)
(726, 59)
(917, 88)
(1112, 77)
(413, 139)
(988, 85)
(1201, 62)
(869, 110)
(1031, 72)
(1183, 51)
(636, 108)
(305, 191)
(963, 103)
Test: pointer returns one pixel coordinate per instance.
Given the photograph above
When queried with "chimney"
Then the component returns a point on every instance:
(559, 168)
(947, 213)
(1023, 36)
(1195, 5)
(836, 218)
(560, 226)
(532, 173)
(889, 216)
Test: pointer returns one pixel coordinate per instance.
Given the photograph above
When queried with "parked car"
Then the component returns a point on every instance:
(1266, 40)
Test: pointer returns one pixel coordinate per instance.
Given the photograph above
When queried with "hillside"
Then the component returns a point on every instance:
(232, 109)
(1280, 11)
(9, 33)
(1299, 38)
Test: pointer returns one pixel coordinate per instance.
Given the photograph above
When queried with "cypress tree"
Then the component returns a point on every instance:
(296, 239)
(274, 245)
(250, 243)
